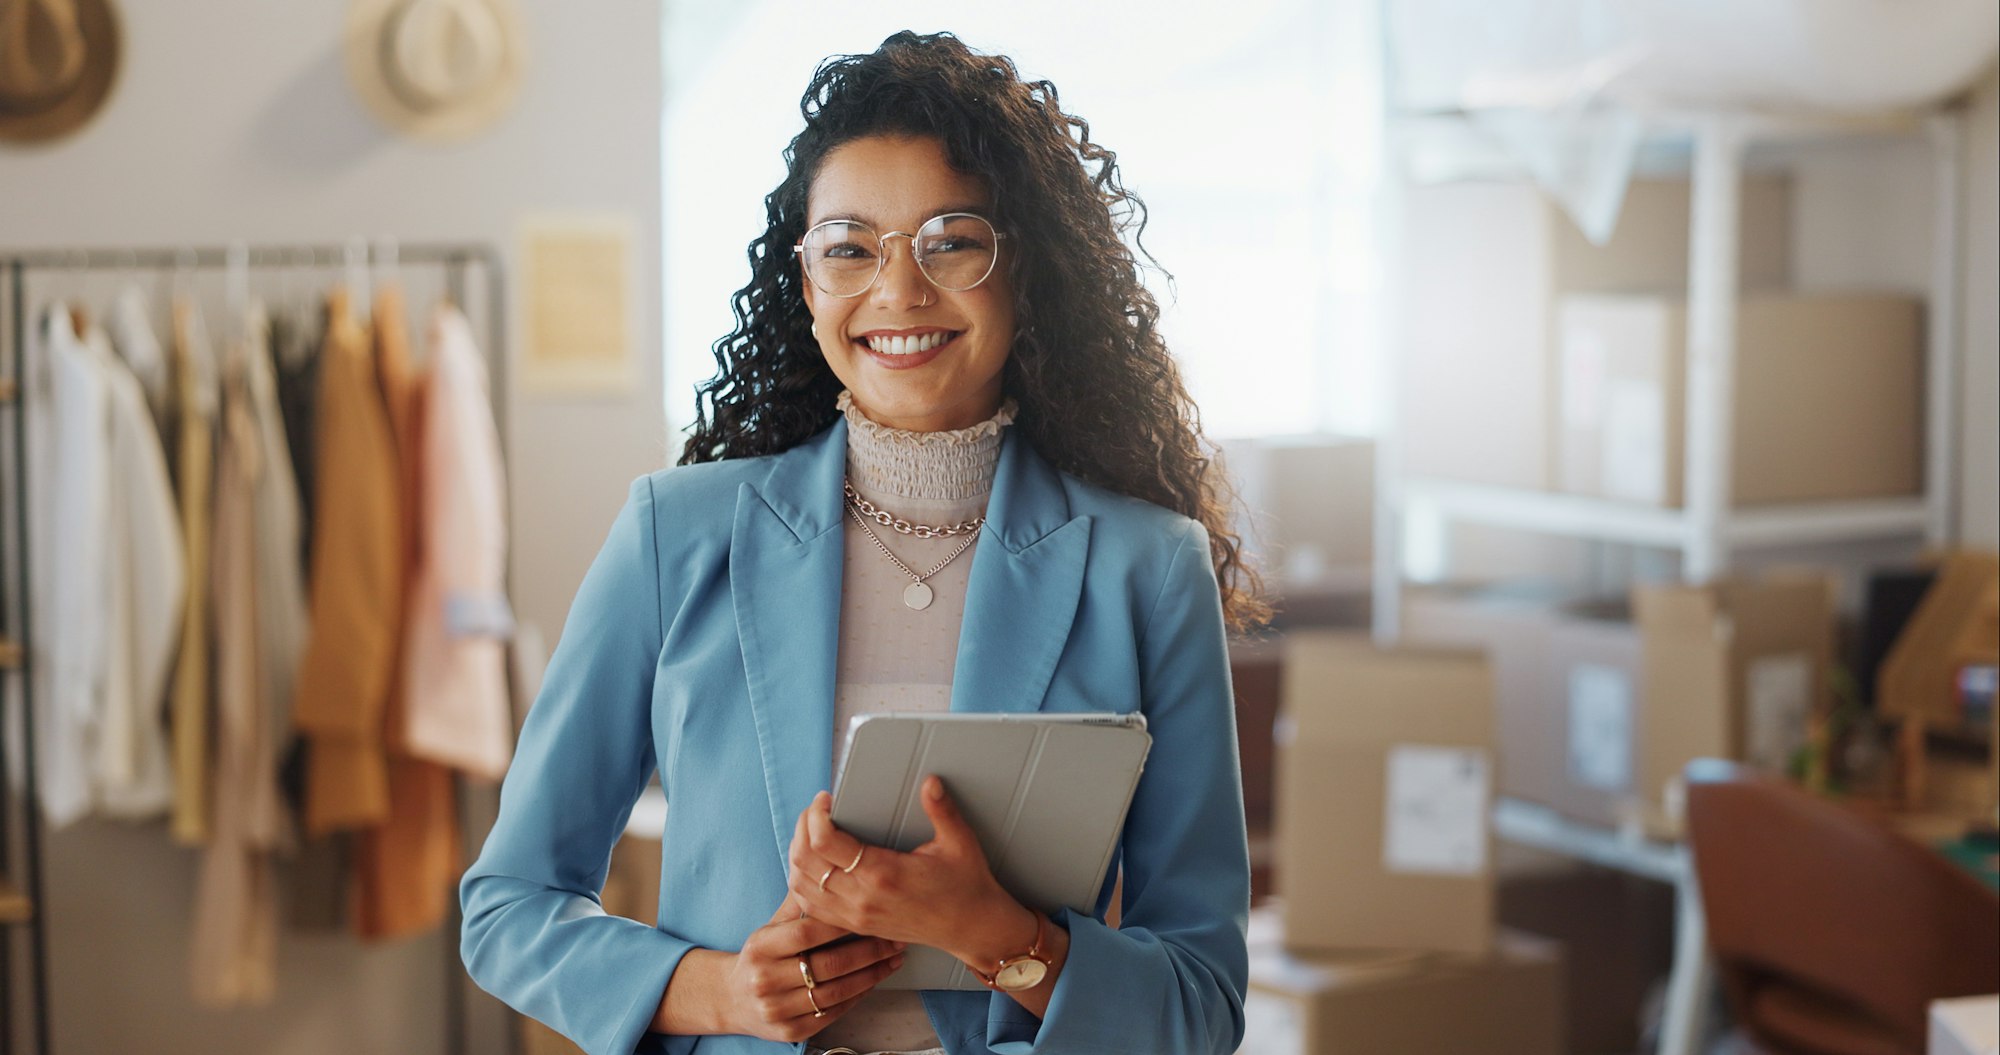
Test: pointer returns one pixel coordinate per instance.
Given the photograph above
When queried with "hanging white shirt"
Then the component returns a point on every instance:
(131, 328)
(147, 580)
(68, 491)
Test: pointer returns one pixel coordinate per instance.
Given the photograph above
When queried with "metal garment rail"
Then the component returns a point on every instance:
(455, 258)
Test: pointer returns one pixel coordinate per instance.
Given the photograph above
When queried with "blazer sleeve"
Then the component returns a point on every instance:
(535, 934)
(1172, 979)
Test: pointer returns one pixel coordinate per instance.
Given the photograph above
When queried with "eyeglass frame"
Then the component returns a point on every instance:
(882, 253)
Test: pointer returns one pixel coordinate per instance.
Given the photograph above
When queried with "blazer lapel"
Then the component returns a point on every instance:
(1022, 594)
(784, 577)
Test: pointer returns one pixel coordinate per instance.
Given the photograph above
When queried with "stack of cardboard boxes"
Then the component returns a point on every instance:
(1384, 939)
(1601, 705)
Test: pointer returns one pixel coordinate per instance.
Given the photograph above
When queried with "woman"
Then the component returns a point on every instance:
(946, 463)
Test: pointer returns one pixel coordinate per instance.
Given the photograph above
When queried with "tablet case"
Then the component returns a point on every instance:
(1045, 793)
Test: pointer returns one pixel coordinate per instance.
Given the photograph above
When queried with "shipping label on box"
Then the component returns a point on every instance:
(1435, 820)
(1600, 727)
(1634, 458)
(1586, 368)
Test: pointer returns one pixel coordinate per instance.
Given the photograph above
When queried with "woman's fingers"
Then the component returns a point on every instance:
(804, 1026)
(830, 843)
(795, 855)
(852, 986)
(792, 937)
(789, 933)
(851, 956)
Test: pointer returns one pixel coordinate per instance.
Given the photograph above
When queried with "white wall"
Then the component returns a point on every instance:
(233, 119)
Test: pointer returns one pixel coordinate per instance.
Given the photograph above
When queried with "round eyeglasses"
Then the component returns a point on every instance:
(955, 252)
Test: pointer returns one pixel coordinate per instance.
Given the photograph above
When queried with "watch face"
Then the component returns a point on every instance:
(1020, 974)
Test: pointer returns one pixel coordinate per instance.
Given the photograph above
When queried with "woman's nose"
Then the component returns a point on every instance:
(901, 282)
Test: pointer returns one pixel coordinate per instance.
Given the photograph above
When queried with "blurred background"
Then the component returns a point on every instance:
(1611, 389)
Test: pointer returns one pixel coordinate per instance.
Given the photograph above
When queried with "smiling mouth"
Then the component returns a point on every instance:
(915, 345)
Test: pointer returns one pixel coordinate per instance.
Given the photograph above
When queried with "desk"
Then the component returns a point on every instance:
(1527, 824)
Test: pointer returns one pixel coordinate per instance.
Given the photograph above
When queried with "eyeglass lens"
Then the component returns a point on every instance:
(955, 251)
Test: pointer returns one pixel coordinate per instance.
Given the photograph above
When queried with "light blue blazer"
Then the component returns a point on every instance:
(702, 645)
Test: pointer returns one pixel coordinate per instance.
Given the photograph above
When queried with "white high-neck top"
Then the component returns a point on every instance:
(893, 657)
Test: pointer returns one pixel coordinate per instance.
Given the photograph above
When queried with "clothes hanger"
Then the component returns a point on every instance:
(236, 300)
(79, 313)
(358, 299)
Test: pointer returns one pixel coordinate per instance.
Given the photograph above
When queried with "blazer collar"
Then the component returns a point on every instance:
(785, 579)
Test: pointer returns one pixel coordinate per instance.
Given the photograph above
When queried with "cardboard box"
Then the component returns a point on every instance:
(1733, 669)
(1509, 1002)
(1596, 670)
(1648, 250)
(1478, 323)
(1513, 632)
(1384, 789)
(1568, 690)
(1827, 398)
(1311, 505)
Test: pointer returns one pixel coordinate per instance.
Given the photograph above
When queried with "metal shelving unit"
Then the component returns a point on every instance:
(1708, 532)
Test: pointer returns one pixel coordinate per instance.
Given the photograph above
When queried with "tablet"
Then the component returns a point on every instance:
(1045, 793)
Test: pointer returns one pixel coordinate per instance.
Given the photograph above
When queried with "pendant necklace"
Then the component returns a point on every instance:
(918, 595)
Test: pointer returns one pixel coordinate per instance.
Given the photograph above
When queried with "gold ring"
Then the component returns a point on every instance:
(817, 1013)
(806, 971)
(857, 859)
(827, 876)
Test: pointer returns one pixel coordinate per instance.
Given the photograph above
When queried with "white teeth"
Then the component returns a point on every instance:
(908, 345)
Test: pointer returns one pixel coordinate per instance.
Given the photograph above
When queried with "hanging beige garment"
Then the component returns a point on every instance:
(195, 394)
(234, 954)
(281, 590)
(349, 664)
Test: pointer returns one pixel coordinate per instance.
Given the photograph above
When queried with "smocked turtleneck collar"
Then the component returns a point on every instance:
(953, 465)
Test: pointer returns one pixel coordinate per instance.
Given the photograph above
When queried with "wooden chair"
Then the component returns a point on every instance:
(1831, 933)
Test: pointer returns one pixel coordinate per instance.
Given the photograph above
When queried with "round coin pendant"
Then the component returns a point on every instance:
(917, 596)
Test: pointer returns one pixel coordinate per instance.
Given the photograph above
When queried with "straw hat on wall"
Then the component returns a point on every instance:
(58, 61)
(435, 69)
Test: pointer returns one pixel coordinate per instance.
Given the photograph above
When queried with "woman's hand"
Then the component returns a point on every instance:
(941, 894)
(764, 991)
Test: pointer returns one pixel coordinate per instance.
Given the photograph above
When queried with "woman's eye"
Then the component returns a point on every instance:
(952, 244)
(849, 251)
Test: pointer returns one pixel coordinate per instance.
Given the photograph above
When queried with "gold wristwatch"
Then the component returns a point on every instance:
(1016, 974)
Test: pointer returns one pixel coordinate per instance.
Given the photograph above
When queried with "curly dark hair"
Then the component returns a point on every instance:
(1084, 320)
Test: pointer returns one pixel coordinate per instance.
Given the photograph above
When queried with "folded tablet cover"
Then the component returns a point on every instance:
(1046, 794)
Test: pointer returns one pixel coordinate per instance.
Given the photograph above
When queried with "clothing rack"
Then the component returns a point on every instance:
(24, 907)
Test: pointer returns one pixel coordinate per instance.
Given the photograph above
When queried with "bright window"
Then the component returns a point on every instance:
(1250, 129)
